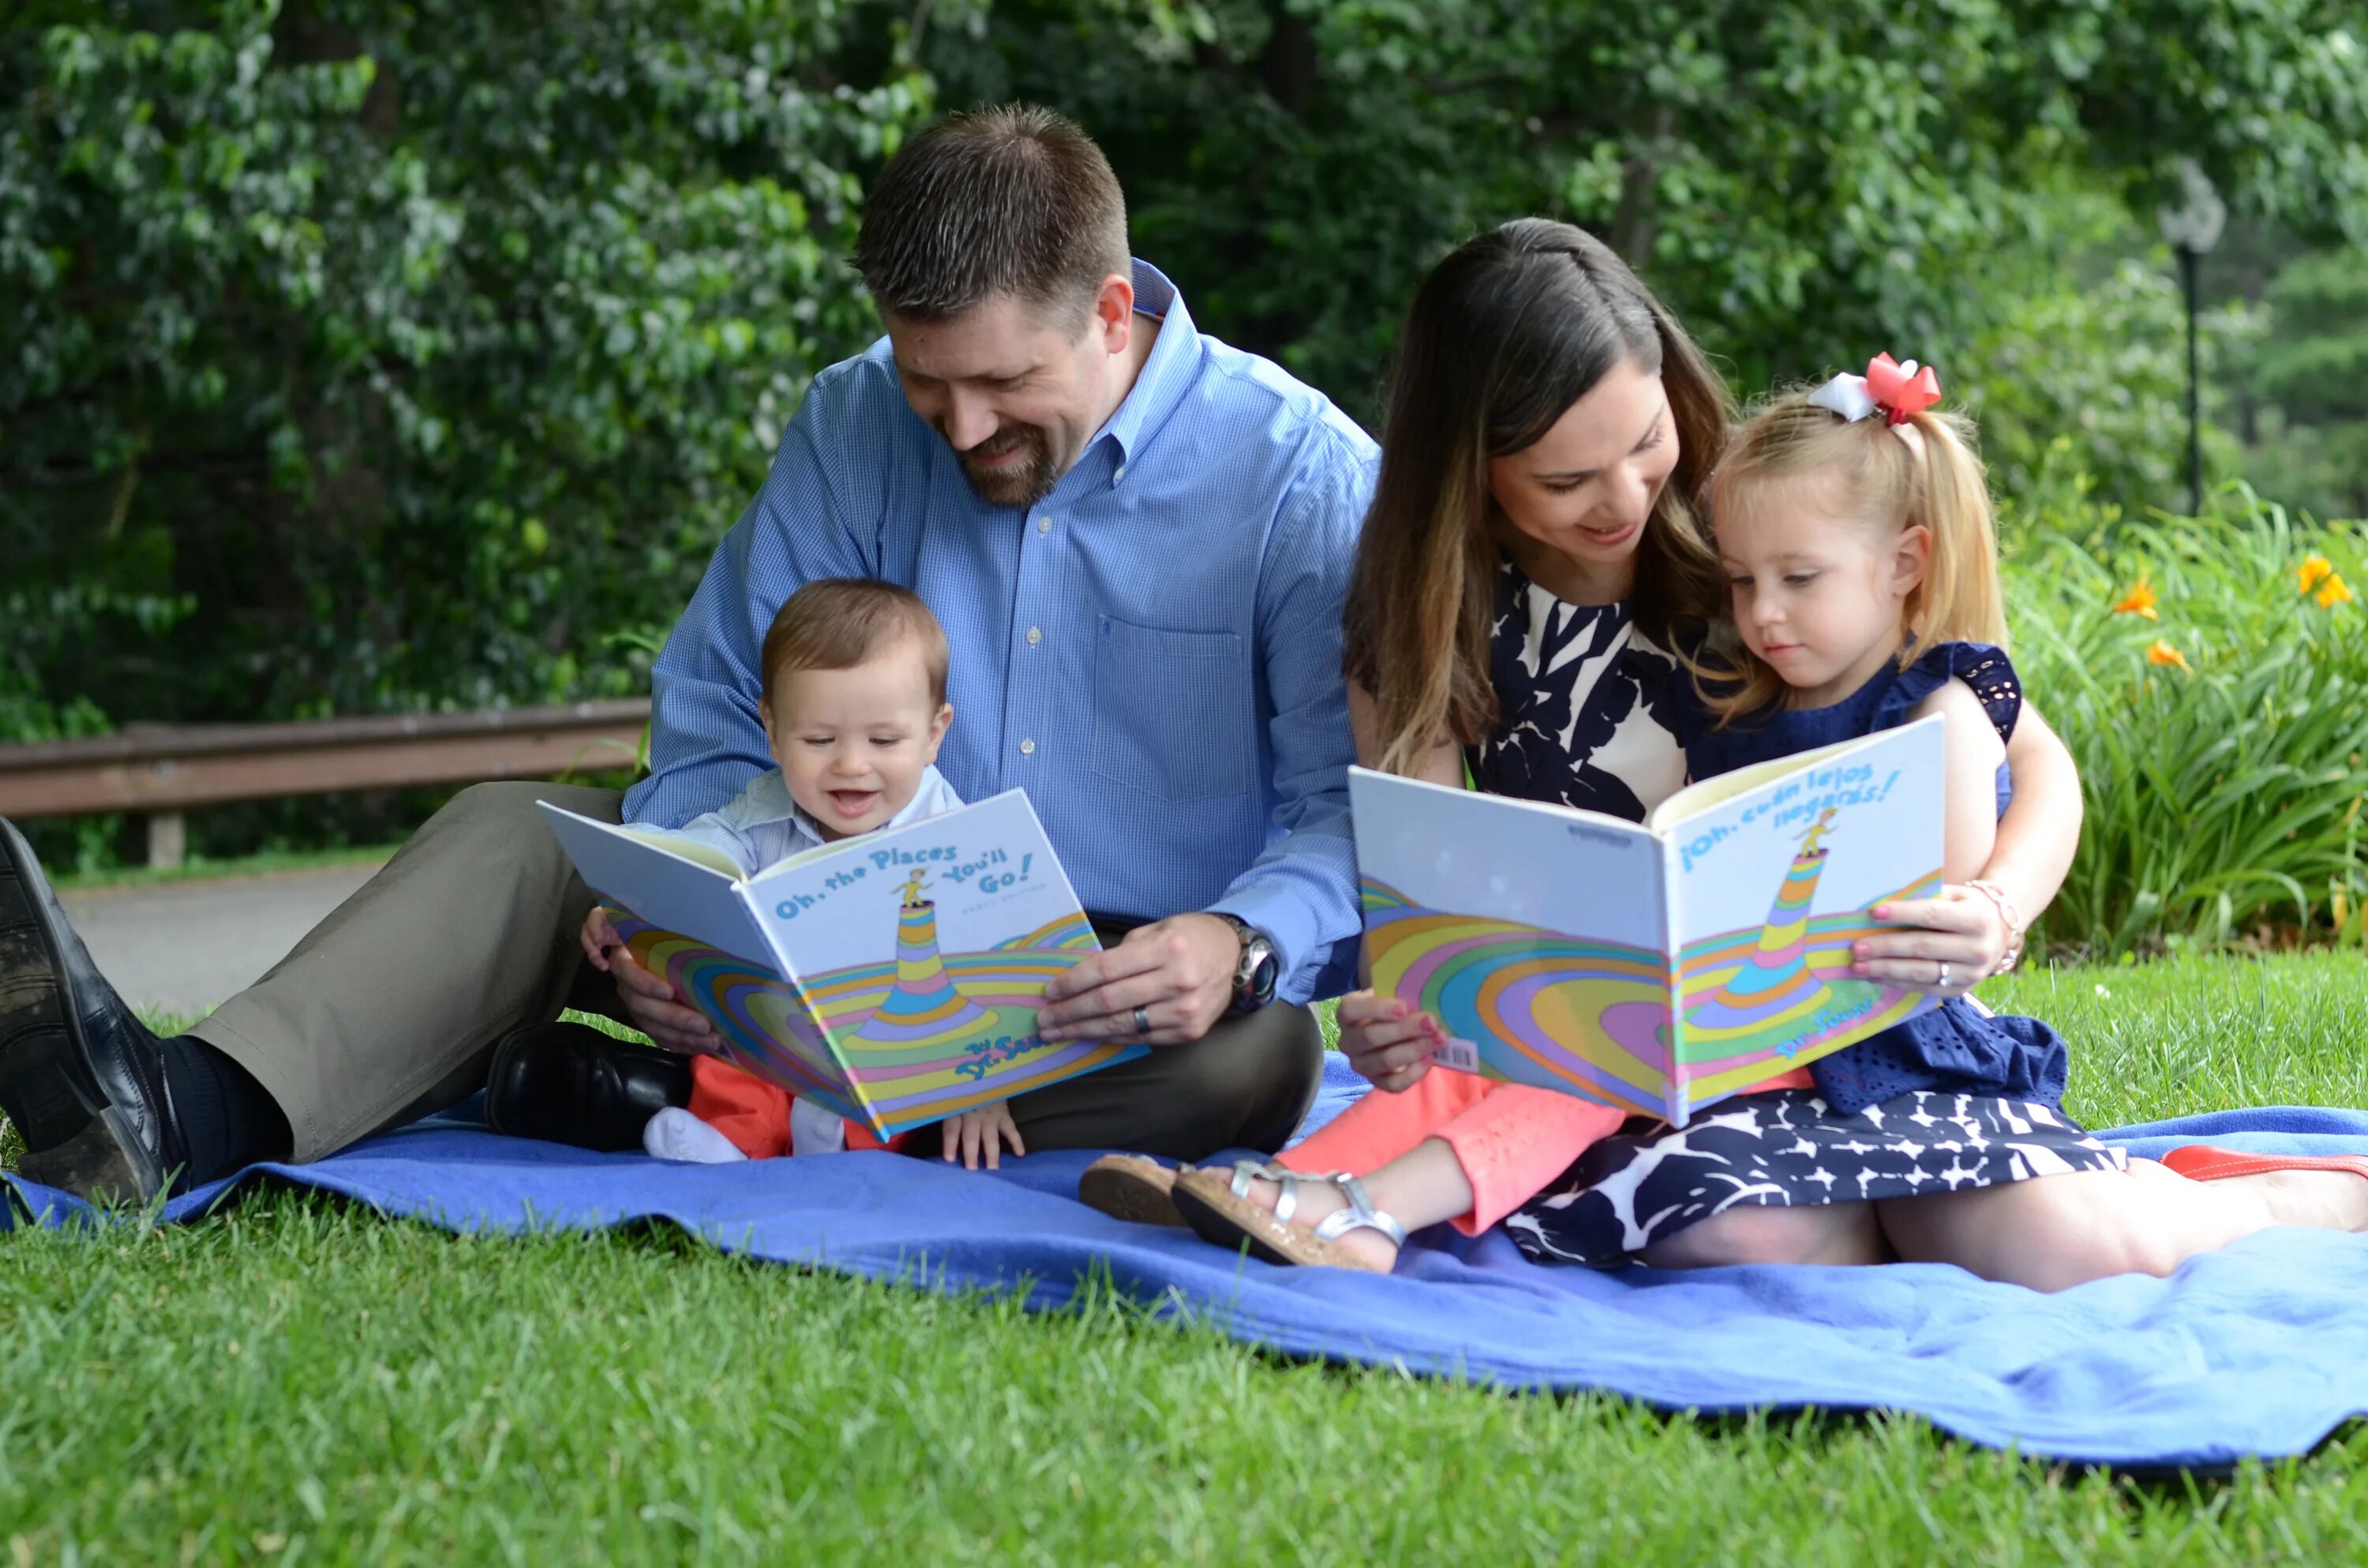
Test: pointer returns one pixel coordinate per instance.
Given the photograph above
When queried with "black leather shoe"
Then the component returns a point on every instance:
(79, 1076)
(570, 1084)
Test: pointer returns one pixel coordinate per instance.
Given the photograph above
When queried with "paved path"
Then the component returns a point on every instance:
(183, 948)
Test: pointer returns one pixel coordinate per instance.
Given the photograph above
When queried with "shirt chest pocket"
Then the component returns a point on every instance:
(1172, 710)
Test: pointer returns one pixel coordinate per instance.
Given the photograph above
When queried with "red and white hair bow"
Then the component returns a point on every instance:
(1899, 392)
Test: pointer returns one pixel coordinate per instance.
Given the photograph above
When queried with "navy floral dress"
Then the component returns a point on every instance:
(1954, 1098)
(1588, 708)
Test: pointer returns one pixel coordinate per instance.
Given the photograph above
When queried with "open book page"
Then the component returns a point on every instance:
(1696, 799)
(662, 885)
(696, 851)
(1538, 936)
(924, 951)
(1771, 887)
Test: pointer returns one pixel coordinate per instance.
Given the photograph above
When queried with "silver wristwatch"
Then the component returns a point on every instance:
(1258, 969)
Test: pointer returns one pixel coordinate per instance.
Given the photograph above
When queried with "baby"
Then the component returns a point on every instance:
(854, 709)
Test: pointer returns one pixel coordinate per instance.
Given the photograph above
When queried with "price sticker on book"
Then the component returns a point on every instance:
(1459, 1054)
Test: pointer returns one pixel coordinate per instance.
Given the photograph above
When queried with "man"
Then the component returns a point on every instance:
(1137, 539)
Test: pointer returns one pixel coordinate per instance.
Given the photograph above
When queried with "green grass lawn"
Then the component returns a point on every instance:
(298, 1382)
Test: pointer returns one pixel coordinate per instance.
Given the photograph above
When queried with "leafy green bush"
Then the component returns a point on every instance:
(407, 350)
(2211, 675)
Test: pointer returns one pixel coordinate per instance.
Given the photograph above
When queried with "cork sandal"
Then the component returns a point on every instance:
(1221, 1211)
(1131, 1188)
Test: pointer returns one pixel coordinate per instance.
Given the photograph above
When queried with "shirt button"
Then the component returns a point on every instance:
(1028, 748)
(1118, 474)
(1035, 635)
(1044, 525)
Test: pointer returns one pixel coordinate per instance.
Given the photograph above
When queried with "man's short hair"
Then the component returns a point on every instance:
(837, 623)
(1011, 200)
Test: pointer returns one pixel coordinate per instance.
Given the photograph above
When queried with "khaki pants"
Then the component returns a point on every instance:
(391, 1007)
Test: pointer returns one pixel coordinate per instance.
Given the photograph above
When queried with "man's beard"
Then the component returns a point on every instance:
(1021, 483)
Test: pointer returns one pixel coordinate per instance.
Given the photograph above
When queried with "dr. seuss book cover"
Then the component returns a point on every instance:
(892, 978)
(1653, 968)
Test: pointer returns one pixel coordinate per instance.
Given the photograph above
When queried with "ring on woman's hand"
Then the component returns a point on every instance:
(1940, 982)
(1143, 1020)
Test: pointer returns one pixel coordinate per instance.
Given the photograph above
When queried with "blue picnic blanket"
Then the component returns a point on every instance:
(2259, 1350)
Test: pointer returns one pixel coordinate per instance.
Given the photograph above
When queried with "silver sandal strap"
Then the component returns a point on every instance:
(1360, 1214)
(1248, 1171)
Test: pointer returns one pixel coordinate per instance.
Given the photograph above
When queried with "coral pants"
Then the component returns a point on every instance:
(751, 1112)
(1511, 1140)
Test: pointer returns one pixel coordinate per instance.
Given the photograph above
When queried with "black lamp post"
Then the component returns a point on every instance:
(2192, 228)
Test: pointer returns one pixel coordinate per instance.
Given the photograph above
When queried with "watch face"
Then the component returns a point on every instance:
(1263, 974)
(1259, 969)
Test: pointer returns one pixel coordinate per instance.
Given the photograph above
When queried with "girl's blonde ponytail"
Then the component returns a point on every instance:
(1959, 600)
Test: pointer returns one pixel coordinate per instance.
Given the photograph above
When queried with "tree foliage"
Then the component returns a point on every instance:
(1806, 179)
(363, 355)
(2308, 376)
(379, 355)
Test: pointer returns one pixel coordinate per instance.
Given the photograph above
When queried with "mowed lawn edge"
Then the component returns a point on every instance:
(299, 1380)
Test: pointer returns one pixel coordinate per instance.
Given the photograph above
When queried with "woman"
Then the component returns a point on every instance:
(1526, 577)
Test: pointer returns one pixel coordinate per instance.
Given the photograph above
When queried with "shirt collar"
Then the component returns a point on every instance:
(1161, 384)
(771, 802)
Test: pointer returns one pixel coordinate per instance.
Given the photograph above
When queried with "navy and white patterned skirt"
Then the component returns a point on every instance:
(1786, 1148)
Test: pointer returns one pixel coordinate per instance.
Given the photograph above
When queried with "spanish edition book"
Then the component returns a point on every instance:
(1661, 967)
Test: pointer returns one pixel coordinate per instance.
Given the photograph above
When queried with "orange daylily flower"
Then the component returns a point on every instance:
(2312, 572)
(2334, 591)
(2139, 600)
(2163, 652)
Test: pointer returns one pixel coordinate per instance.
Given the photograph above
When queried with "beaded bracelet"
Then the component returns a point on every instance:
(2007, 912)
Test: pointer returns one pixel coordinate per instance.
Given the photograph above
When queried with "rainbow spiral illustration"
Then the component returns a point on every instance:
(764, 1028)
(1589, 1017)
(1592, 1017)
(922, 1009)
(894, 1045)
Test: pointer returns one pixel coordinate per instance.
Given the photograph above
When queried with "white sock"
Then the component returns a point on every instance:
(675, 1134)
(813, 1130)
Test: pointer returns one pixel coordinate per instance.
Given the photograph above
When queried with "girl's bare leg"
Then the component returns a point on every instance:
(1832, 1234)
(2061, 1230)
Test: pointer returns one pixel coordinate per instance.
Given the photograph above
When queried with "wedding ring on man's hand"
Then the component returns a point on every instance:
(1143, 1020)
(1940, 982)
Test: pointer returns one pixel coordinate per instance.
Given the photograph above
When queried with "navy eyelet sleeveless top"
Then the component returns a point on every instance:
(1956, 1048)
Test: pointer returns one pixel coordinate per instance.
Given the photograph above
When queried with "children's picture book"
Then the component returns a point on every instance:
(1655, 968)
(892, 978)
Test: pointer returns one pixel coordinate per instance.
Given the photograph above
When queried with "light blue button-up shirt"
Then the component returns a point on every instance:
(762, 826)
(1152, 652)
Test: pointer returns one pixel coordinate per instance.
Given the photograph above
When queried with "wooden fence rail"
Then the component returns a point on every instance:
(161, 771)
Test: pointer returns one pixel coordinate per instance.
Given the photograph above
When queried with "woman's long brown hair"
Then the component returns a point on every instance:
(1505, 334)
